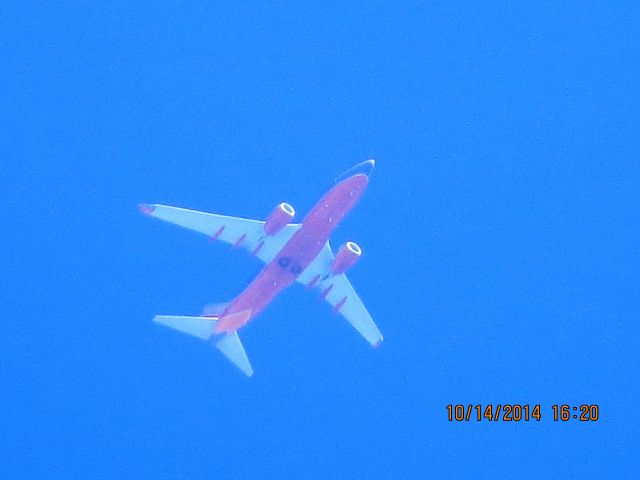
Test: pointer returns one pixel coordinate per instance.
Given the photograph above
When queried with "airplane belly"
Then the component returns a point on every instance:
(295, 256)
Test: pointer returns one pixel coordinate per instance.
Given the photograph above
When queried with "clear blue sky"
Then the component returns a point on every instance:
(500, 236)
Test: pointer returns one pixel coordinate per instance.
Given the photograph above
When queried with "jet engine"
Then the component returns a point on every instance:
(279, 218)
(347, 256)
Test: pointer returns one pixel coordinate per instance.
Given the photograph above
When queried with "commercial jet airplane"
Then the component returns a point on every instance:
(292, 252)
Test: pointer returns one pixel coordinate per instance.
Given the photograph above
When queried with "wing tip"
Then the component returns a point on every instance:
(146, 209)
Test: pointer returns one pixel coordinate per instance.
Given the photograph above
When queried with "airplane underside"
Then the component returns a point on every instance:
(291, 252)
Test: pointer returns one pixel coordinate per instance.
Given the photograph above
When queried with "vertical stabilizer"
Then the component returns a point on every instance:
(214, 309)
(232, 348)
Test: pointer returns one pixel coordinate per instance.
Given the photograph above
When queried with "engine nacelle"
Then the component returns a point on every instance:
(279, 218)
(346, 258)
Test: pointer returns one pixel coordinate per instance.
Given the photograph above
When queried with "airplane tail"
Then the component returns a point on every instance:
(232, 348)
(203, 327)
(214, 309)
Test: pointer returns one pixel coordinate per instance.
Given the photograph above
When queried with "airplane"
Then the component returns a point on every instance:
(292, 252)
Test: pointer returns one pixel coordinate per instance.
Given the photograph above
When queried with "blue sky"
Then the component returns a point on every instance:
(500, 236)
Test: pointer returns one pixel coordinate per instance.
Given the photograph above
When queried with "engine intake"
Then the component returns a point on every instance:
(279, 218)
(346, 258)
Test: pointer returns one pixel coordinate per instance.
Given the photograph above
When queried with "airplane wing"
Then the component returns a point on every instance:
(239, 232)
(340, 294)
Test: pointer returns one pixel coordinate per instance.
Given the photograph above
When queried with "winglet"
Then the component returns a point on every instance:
(146, 209)
(362, 168)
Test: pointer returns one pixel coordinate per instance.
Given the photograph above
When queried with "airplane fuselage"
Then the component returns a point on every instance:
(296, 255)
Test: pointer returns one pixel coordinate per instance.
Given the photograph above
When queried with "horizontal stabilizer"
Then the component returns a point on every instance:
(232, 348)
(201, 327)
